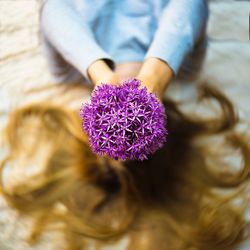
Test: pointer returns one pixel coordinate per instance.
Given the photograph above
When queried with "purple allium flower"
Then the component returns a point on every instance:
(124, 122)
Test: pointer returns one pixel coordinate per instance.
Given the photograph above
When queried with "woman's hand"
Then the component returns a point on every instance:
(99, 72)
(155, 74)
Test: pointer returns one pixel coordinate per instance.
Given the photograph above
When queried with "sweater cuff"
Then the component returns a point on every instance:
(171, 50)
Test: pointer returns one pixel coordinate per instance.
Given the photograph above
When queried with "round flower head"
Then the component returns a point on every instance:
(124, 122)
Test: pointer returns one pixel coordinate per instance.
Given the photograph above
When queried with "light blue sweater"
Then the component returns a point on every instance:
(78, 32)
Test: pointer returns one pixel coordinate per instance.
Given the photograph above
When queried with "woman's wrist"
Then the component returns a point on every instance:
(99, 72)
(155, 74)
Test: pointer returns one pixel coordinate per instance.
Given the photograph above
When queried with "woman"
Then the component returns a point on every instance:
(89, 38)
(171, 201)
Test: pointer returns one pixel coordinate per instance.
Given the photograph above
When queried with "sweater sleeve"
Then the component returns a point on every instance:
(70, 35)
(181, 25)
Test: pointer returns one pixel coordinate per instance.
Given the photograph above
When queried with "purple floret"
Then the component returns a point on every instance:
(124, 122)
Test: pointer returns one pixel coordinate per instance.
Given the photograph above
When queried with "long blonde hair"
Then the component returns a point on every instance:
(183, 197)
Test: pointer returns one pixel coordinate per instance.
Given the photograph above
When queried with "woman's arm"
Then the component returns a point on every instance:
(71, 36)
(181, 26)
(99, 72)
(155, 74)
